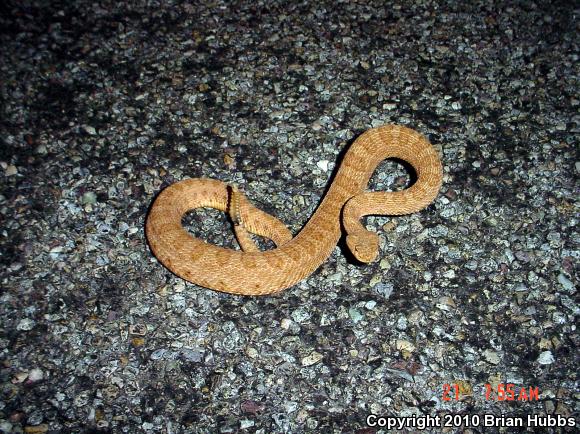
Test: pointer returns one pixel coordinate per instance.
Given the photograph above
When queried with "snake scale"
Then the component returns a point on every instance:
(252, 272)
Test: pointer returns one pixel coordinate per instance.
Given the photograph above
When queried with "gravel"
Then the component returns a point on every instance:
(103, 104)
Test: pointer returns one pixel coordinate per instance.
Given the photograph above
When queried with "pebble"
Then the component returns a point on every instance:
(5, 426)
(446, 303)
(96, 127)
(546, 358)
(402, 323)
(312, 359)
(191, 355)
(316, 126)
(252, 407)
(566, 283)
(384, 289)
(137, 329)
(384, 264)
(471, 265)
(404, 345)
(492, 357)
(246, 423)
(11, 170)
(290, 406)
(41, 150)
(286, 323)
(370, 305)
(301, 315)
(20, 377)
(35, 375)
(89, 198)
(90, 130)
(355, 315)
(36, 429)
(449, 274)
(439, 231)
(522, 256)
(323, 164)
(25, 324)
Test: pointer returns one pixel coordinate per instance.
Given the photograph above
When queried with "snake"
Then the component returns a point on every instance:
(251, 271)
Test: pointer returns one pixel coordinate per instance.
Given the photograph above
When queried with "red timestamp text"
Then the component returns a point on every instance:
(509, 392)
(499, 392)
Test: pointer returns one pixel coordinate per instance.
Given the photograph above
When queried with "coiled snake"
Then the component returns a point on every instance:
(254, 272)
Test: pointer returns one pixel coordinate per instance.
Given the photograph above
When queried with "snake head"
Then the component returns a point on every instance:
(363, 245)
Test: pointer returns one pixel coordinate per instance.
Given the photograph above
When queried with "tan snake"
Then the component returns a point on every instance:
(254, 272)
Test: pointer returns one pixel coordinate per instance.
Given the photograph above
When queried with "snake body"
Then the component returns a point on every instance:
(253, 272)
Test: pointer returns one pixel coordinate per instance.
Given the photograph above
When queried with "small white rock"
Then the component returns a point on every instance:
(246, 423)
(11, 170)
(445, 303)
(355, 315)
(565, 282)
(90, 130)
(311, 359)
(324, 320)
(404, 345)
(491, 356)
(301, 315)
(251, 352)
(323, 164)
(41, 150)
(35, 375)
(89, 198)
(55, 252)
(561, 126)
(25, 324)
(546, 358)
(290, 406)
(278, 114)
(5, 426)
(449, 274)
